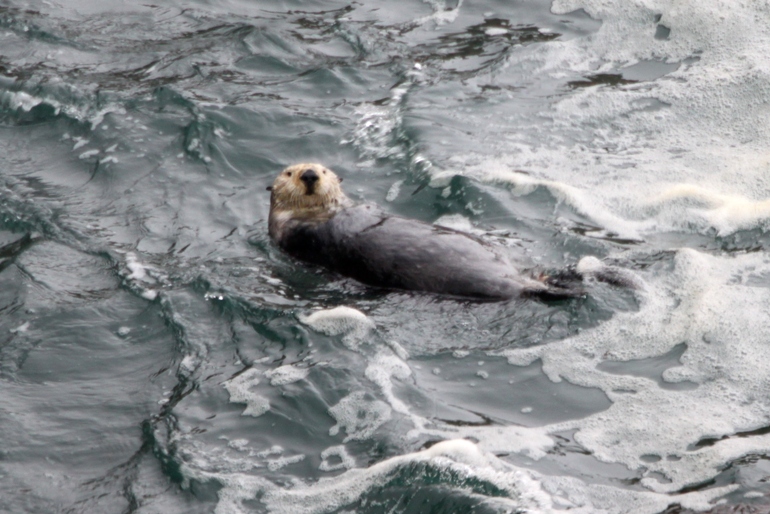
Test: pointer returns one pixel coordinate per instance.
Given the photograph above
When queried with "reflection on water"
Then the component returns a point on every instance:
(158, 353)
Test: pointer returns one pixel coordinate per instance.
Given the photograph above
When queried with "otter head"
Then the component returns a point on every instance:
(305, 192)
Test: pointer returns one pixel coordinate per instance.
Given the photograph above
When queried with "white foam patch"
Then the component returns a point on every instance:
(241, 391)
(149, 294)
(336, 453)
(358, 416)
(532, 442)
(239, 444)
(190, 363)
(236, 488)
(718, 307)
(138, 275)
(281, 462)
(273, 450)
(382, 369)
(284, 375)
(354, 324)
(138, 271)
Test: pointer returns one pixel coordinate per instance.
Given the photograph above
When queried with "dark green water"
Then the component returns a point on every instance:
(144, 311)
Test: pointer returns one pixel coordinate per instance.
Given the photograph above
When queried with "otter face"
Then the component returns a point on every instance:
(305, 191)
(307, 186)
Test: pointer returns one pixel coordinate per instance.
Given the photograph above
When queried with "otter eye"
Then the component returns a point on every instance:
(288, 173)
(324, 172)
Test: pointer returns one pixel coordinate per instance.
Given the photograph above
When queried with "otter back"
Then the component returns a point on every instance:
(380, 250)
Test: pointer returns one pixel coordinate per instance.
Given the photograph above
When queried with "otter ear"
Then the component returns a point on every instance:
(340, 179)
(269, 188)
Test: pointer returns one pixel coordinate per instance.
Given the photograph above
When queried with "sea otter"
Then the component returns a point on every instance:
(313, 220)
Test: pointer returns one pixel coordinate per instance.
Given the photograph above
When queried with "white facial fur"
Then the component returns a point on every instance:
(290, 199)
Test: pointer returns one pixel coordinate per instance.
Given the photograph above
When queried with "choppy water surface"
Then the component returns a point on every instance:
(158, 354)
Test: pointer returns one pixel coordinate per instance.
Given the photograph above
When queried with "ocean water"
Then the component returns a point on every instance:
(159, 354)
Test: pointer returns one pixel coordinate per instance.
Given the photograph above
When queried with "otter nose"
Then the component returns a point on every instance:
(309, 177)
